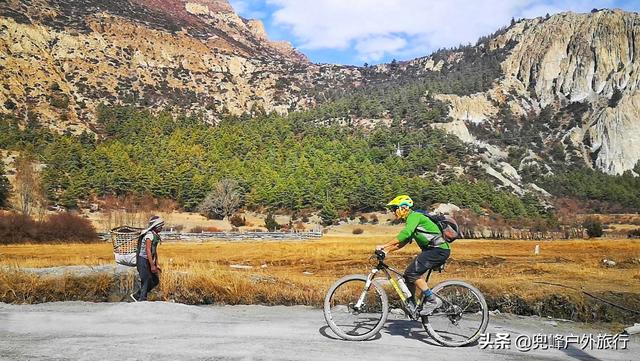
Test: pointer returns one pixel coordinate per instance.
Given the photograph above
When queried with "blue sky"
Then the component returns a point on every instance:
(377, 31)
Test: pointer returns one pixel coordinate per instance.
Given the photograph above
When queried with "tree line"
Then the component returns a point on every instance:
(277, 163)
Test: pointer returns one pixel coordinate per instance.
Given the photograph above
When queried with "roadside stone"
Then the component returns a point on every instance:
(608, 263)
(632, 330)
(240, 266)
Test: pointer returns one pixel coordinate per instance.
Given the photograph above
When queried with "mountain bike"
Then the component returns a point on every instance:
(356, 307)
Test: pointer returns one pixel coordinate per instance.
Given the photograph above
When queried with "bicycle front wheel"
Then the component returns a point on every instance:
(353, 311)
(463, 316)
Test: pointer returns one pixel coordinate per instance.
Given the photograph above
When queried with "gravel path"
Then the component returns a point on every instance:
(170, 331)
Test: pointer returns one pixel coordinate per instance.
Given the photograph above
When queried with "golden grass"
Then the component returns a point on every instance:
(19, 287)
(300, 272)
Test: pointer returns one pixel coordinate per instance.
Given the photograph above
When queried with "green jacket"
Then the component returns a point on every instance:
(421, 229)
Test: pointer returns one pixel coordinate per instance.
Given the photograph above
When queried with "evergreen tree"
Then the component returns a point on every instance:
(593, 227)
(270, 223)
(279, 162)
(328, 214)
(5, 188)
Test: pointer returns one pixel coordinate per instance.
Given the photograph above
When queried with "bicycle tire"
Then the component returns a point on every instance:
(330, 319)
(483, 324)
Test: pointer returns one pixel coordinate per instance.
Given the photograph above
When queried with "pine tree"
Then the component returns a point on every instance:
(270, 223)
(328, 213)
(5, 188)
(593, 227)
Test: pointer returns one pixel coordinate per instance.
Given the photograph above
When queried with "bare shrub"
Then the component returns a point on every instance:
(197, 229)
(284, 228)
(222, 201)
(373, 219)
(299, 227)
(357, 231)
(468, 223)
(68, 227)
(17, 228)
(237, 220)
(134, 210)
(200, 229)
(30, 197)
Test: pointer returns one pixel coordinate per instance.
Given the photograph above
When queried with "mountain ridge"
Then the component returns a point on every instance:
(566, 86)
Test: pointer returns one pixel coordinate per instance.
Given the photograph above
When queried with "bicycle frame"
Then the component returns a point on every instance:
(384, 268)
(387, 270)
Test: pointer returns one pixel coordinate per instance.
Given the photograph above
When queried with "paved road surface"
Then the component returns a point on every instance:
(169, 331)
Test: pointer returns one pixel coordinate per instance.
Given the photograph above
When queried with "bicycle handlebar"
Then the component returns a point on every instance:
(380, 255)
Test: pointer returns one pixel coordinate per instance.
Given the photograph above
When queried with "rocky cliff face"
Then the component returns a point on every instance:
(568, 59)
(60, 59)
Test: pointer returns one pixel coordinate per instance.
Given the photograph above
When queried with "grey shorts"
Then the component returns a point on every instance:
(427, 259)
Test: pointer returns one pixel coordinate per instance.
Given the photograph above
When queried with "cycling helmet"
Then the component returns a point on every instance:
(399, 201)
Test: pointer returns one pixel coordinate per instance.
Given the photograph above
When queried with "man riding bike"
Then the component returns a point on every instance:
(435, 250)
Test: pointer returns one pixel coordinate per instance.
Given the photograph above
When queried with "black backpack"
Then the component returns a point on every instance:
(446, 224)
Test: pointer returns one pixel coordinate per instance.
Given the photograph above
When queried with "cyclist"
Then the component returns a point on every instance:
(435, 250)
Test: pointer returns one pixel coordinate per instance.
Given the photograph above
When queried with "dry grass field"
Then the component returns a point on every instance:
(300, 272)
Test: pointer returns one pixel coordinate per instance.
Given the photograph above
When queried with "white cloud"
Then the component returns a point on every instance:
(373, 28)
(239, 6)
(246, 9)
(375, 47)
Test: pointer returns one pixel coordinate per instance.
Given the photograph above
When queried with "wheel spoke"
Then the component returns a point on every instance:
(349, 321)
(464, 317)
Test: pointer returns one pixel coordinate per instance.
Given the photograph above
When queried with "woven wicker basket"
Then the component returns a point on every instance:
(125, 241)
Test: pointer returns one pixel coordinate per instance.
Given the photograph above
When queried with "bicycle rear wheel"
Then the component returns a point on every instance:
(461, 319)
(343, 315)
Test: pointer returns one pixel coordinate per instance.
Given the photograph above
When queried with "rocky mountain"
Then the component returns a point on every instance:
(542, 94)
(569, 60)
(61, 59)
(534, 97)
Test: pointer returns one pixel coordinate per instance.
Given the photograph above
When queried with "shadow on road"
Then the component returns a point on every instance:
(323, 331)
(408, 329)
(578, 354)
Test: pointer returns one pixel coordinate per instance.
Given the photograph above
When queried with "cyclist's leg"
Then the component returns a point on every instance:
(411, 274)
(429, 258)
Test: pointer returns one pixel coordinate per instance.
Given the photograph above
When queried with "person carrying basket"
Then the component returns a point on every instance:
(147, 258)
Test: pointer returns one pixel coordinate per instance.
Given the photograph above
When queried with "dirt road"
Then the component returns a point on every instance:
(169, 331)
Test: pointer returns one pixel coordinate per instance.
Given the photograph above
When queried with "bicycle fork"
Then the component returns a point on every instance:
(366, 288)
